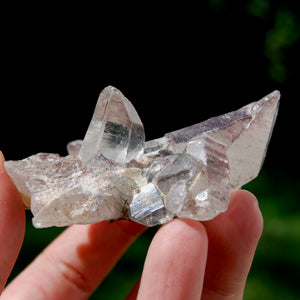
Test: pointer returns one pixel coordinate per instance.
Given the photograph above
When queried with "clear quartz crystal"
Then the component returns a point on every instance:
(148, 208)
(113, 174)
(115, 132)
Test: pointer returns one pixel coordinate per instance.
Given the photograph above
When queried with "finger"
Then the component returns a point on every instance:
(12, 224)
(175, 263)
(76, 262)
(233, 237)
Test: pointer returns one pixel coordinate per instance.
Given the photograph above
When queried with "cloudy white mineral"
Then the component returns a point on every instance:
(114, 174)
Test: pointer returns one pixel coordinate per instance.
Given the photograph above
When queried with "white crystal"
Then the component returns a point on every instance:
(112, 174)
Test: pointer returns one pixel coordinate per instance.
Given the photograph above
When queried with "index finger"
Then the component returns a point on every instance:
(75, 263)
(233, 237)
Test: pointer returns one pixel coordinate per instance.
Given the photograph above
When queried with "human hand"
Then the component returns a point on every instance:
(186, 259)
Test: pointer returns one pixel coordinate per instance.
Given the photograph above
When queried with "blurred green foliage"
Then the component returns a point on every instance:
(276, 267)
(284, 31)
(258, 8)
(284, 34)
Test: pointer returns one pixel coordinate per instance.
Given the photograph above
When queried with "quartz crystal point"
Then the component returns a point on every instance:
(115, 132)
(114, 174)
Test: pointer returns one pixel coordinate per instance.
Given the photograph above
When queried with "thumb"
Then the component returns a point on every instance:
(12, 224)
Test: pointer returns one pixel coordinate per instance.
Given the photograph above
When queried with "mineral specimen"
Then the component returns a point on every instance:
(114, 174)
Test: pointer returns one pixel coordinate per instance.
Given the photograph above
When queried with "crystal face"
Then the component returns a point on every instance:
(115, 132)
(114, 174)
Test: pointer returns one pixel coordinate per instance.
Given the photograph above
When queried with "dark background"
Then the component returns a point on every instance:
(179, 64)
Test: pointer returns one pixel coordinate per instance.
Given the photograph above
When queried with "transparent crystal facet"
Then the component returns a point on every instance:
(112, 174)
(115, 132)
(148, 208)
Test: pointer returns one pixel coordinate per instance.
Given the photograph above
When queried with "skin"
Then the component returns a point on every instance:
(187, 259)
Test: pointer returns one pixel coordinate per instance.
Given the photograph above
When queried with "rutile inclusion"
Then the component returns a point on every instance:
(114, 174)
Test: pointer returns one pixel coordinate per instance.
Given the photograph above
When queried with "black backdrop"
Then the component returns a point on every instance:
(177, 65)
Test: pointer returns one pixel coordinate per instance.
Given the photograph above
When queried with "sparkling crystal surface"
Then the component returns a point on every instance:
(114, 174)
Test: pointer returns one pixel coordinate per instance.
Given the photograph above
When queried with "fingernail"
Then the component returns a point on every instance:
(2, 160)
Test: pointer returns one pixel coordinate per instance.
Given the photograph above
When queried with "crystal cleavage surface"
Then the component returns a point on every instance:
(114, 174)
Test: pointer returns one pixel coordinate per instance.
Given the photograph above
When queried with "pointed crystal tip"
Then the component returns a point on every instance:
(115, 132)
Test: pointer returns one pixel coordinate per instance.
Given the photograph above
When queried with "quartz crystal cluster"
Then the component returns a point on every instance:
(114, 174)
